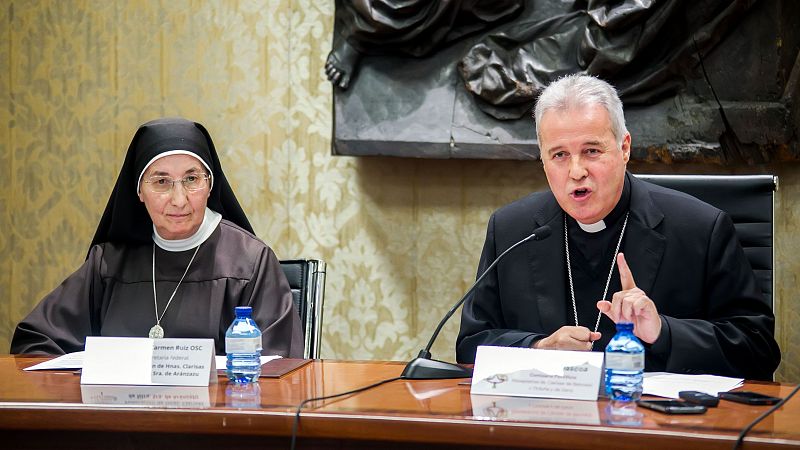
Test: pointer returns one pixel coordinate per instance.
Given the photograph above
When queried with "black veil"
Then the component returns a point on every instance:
(125, 219)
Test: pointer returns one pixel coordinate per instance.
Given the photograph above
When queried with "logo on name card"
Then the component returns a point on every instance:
(496, 379)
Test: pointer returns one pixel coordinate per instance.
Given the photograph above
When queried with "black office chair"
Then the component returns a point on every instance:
(749, 200)
(307, 280)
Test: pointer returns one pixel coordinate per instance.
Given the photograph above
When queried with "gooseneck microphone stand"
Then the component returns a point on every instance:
(423, 367)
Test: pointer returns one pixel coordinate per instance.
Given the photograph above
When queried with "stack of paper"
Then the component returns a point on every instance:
(665, 384)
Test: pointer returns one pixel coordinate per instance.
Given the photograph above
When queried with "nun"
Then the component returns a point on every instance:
(173, 255)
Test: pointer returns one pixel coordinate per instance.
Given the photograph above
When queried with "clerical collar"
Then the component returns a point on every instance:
(593, 227)
(210, 221)
(615, 214)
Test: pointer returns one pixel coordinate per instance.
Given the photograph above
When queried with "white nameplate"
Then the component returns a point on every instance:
(148, 362)
(527, 372)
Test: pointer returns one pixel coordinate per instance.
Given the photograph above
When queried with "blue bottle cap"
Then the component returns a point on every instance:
(244, 311)
(624, 326)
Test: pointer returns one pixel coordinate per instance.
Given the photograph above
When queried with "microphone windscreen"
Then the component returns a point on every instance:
(542, 232)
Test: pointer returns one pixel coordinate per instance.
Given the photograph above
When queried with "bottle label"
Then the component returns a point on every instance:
(243, 326)
(625, 361)
(242, 345)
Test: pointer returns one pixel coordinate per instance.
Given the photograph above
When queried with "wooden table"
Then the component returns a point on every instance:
(52, 410)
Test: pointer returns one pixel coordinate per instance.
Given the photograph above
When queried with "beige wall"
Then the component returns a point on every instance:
(402, 237)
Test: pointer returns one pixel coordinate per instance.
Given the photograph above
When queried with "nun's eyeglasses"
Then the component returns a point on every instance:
(192, 183)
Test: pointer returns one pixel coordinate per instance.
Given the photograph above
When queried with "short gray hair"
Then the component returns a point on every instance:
(582, 90)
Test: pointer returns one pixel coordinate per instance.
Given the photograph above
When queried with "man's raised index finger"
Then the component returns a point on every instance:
(625, 275)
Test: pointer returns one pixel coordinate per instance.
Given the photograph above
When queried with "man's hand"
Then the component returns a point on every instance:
(568, 338)
(631, 304)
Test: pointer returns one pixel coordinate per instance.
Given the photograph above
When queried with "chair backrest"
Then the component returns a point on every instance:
(750, 201)
(307, 280)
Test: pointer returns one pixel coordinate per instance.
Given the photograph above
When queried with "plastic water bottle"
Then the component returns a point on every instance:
(624, 365)
(243, 346)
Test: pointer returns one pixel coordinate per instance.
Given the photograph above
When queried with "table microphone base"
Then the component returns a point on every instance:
(431, 369)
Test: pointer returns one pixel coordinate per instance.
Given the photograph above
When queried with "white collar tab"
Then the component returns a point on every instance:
(592, 227)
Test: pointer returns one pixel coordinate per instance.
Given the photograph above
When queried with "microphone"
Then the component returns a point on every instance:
(423, 367)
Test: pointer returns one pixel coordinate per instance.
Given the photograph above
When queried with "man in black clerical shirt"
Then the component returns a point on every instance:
(621, 250)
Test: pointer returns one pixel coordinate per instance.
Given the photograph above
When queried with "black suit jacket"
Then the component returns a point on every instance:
(682, 252)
